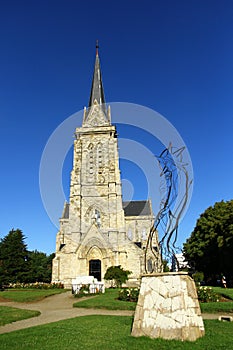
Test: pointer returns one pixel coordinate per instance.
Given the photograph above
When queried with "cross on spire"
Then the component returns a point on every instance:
(97, 47)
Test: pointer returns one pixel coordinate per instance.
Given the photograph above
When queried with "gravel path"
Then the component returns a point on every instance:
(54, 308)
(60, 307)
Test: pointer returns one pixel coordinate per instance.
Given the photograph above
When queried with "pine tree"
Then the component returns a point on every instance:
(14, 265)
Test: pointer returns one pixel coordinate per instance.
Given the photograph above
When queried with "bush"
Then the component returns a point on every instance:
(128, 294)
(198, 277)
(206, 294)
(116, 275)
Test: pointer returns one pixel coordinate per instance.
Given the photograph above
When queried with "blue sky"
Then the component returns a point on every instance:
(175, 57)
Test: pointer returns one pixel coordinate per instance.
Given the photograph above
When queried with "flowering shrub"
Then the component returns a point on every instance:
(128, 294)
(36, 285)
(85, 291)
(206, 294)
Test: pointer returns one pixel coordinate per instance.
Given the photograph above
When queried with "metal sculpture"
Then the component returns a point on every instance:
(174, 172)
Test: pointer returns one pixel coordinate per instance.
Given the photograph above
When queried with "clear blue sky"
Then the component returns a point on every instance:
(175, 57)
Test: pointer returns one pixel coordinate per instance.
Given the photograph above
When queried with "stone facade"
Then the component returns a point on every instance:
(98, 230)
(168, 308)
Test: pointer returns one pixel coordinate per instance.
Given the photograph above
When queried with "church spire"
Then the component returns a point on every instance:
(97, 90)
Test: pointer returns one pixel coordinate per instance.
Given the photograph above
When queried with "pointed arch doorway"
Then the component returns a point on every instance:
(95, 268)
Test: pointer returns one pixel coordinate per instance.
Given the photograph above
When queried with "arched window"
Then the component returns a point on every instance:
(143, 234)
(130, 234)
(99, 156)
(90, 163)
(150, 265)
(97, 218)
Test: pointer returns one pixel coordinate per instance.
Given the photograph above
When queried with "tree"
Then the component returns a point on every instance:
(210, 246)
(40, 266)
(117, 275)
(165, 266)
(13, 258)
(17, 264)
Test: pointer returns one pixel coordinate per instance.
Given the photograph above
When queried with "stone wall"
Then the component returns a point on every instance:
(168, 308)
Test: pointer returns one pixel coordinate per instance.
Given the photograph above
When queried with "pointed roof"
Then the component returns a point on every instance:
(97, 90)
(137, 208)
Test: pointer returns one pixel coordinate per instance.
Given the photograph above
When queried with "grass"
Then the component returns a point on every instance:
(103, 332)
(102, 301)
(26, 295)
(219, 307)
(109, 332)
(107, 300)
(226, 292)
(11, 314)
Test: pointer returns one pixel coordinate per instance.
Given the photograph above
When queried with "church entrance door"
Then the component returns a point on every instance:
(95, 269)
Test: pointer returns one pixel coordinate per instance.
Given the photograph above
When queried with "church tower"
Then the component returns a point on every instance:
(95, 190)
(97, 229)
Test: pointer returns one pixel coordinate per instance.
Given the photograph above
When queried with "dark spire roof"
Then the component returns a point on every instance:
(97, 90)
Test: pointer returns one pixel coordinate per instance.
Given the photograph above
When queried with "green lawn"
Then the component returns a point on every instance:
(227, 292)
(11, 314)
(107, 300)
(219, 307)
(103, 332)
(109, 332)
(26, 295)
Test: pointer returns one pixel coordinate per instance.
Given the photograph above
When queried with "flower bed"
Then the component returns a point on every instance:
(128, 294)
(36, 285)
(206, 294)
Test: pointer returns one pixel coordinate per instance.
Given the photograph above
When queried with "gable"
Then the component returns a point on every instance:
(95, 116)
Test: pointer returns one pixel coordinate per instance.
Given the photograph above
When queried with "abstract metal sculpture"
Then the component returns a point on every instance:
(174, 189)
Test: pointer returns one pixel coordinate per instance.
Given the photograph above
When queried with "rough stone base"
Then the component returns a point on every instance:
(168, 308)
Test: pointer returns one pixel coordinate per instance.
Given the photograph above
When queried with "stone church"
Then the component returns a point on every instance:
(98, 229)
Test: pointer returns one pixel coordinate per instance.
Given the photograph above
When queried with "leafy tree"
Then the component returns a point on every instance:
(116, 275)
(210, 246)
(198, 277)
(13, 258)
(40, 266)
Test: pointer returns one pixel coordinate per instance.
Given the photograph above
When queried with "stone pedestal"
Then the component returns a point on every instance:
(168, 308)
